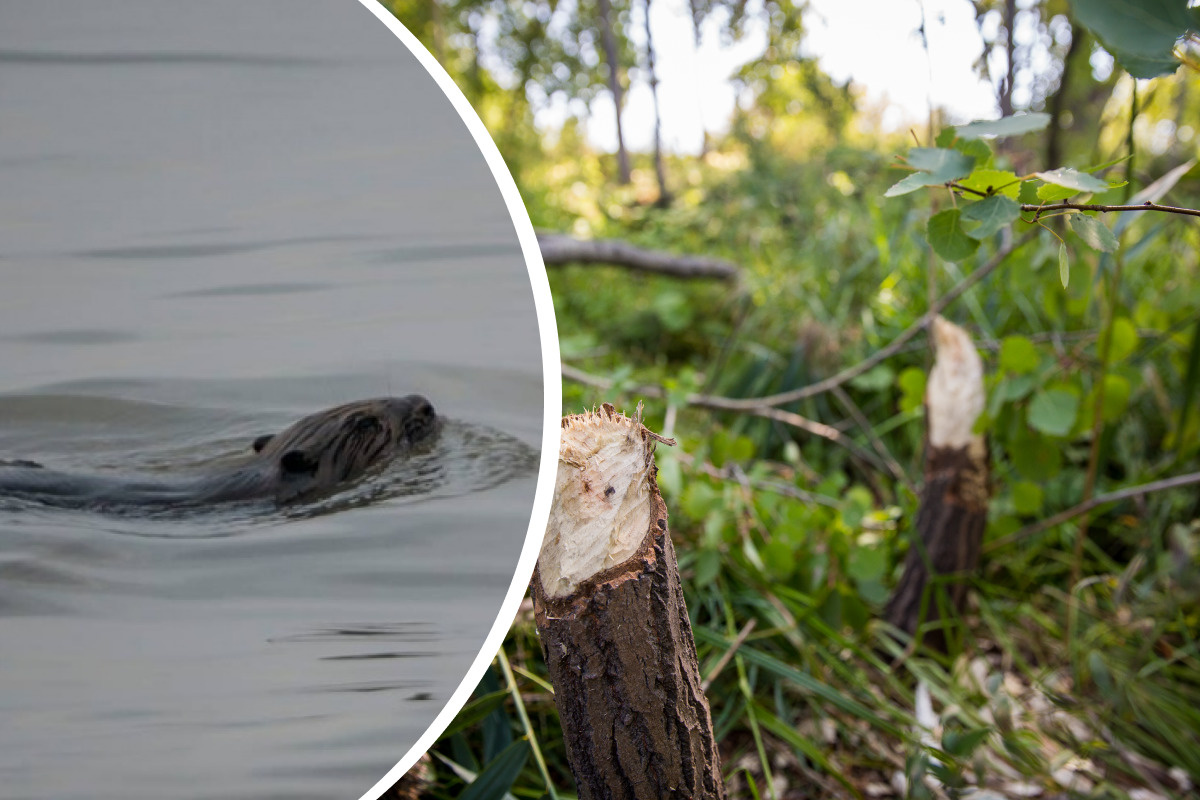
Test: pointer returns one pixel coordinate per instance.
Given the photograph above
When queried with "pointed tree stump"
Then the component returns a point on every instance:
(614, 628)
(953, 506)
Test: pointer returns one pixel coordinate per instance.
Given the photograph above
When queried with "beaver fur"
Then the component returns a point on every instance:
(314, 457)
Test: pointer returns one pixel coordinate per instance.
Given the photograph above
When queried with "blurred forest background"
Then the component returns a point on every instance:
(1076, 670)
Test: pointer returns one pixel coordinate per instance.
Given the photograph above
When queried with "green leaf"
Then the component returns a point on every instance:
(911, 183)
(1018, 355)
(993, 181)
(1049, 193)
(912, 388)
(670, 476)
(779, 558)
(935, 166)
(1094, 233)
(976, 149)
(699, 499)
(992, 214)
(875, 379)
(947, 238)
(1027, 497)
(961, 744)
(741, 449)
(498, 776)
(866, 564)
(475, 711)
(1064, 266)
(1101, 674)
(942, 165)
(1019, 387)
(1124, 340)
(1116, 397)
(1036, 457)
(1006, 126)
(1073, 179)
(1140, 34)
(673, 309)
(709, 564)
(1053, 412)
(857, 504)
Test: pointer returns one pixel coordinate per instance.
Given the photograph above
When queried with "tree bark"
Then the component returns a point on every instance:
(660, 170)
(613, 625)
(952, 513)
(558, 250)
(609, 43)
(1010, 51)
(1054, 133)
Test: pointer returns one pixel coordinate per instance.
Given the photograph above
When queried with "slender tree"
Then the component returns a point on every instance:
(664, 195)
(609, 42)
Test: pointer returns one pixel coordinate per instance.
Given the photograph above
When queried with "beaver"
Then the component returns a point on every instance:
(314, 457)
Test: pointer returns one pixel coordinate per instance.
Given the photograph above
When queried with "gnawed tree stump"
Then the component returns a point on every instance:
(614, 629)
(953, 506)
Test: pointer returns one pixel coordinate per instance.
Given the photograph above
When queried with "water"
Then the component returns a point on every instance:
(216, 218)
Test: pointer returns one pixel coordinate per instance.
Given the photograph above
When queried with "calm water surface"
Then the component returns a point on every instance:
(216, 218)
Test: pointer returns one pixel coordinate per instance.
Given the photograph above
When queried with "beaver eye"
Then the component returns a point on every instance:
(367, 424)
(297, 462)
(262, 442)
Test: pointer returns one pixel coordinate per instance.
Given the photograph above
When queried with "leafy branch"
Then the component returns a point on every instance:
(1040, 208)
(1146, 206)
(1176, 482)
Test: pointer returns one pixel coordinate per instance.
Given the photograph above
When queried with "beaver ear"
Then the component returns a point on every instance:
(262, 442)
(298, 462)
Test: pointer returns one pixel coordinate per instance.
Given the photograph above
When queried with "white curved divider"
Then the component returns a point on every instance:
(553, 398)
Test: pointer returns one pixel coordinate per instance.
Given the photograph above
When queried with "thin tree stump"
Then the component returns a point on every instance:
(953, 506)
(614, 628)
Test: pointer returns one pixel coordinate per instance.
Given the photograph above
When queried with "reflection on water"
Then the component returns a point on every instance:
(216, 218)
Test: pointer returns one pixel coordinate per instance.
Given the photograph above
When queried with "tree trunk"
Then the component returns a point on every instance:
(664, 196)
(698, 13)
(1006, 90)
(609, 42)
(1010, 45)
(613, 625)
(1057, 104)
(439, 32)
(954, 501)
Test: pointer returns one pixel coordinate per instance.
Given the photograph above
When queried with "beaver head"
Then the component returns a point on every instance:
(323, 450)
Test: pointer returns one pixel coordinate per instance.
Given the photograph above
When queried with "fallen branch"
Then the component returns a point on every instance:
(731, 473)
(877, 444)
(558, 249)
(789, 418)
(1177, 482)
